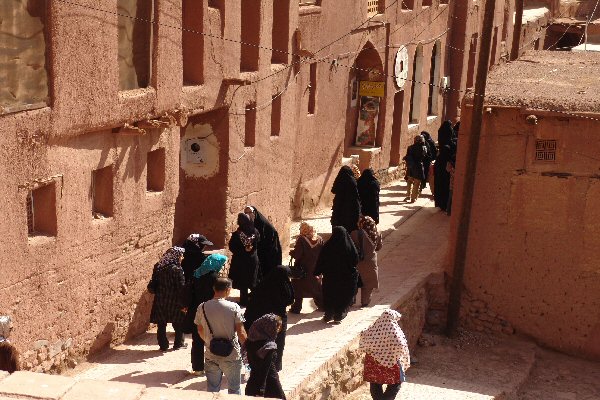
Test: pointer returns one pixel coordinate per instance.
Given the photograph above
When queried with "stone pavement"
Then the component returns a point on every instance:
(413, 250)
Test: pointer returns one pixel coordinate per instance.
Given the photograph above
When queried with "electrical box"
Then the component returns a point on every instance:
(445, 83)
(194, 151)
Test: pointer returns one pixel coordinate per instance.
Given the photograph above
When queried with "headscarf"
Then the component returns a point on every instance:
(212, 263)
(355, 171)
(385, 341)
(245, 224)
(269, 247)
(265, 328)
(430, 144)
(308, 231)
(344, 182)
(171, 257)
(5, 327)
(367, 224)
(446, 134)
(367, 179)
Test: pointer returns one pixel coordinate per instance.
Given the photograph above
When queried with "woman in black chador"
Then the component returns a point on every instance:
(337, 263)
(346, 202)
(368, 190)
(273, 295)
(447, 150)
(262, 353)
(431, 155)
(244, 269)
(269, 248)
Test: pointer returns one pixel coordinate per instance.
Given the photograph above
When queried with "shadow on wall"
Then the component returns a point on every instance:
(141, 316)
(103, 339)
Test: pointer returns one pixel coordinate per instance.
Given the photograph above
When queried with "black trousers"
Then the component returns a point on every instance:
(161, 335)
(390, 393)
(197, 351)
(244, 297)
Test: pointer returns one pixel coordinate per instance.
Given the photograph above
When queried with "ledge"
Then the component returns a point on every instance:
(308, 9)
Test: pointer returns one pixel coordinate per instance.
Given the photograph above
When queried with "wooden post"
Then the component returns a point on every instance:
(514, 53)
(464, 213)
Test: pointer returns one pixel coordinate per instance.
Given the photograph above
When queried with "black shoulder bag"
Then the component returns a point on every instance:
(297, 271)
(218, 346)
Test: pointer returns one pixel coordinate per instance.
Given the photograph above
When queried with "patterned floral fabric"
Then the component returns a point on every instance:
(385, 341)
(367, 224)
(376, 373)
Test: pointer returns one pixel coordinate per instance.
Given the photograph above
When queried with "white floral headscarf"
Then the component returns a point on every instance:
(5, 328)
(385, 341)
(171, 257)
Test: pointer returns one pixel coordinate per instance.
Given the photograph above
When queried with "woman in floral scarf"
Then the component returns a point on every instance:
(387, 357)
(368, 242)
(244, 269)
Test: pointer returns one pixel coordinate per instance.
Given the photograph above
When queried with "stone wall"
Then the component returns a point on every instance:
(342, 374)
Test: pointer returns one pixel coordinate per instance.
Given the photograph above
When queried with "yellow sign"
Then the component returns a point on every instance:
(372, 89)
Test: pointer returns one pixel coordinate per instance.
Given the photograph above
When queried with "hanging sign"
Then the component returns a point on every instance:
(371, 89)
(401, 67)
(366, 128)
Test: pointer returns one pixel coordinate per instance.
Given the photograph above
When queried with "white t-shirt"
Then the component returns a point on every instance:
(223, 316)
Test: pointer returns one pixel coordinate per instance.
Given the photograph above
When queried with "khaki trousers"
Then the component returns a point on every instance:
(413, 189)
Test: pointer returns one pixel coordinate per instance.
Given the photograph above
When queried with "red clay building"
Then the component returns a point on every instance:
(532, 262)
(125, 125)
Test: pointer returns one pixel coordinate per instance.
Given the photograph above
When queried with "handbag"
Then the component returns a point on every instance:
(297, 271)
(218, 346)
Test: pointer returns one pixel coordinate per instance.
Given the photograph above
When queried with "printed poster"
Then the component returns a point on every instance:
(366, 128)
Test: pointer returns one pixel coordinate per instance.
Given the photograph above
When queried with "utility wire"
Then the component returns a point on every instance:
(302, 59)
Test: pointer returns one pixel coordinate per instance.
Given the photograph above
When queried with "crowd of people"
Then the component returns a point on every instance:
(191, 292)
(428, 163)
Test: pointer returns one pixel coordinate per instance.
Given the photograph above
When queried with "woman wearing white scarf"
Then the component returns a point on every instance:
(387, 355)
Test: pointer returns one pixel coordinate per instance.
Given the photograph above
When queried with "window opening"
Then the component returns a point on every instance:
(135, 43)
(155, 174)
(192, 43)
(102, 192)
(417, 83)
(276, 115)
(281, 27)
(434, 80)
(41, 211)
(23, 63)
(250, 35)
(312, 89)
(250, 125)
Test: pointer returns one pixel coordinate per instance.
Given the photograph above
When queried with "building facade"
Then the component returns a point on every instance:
(531, 264)
(126, 125)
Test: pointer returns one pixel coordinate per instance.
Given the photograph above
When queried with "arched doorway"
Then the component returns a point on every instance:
(365, 101)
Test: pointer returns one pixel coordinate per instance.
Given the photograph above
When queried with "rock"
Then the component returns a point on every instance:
(56, 348)
(124, 289)
(67, 344)
(40, 343)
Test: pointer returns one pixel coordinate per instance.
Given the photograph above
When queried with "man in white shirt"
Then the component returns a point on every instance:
(225, 321)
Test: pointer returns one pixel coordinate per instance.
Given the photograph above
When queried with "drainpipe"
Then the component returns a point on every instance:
(514, 54)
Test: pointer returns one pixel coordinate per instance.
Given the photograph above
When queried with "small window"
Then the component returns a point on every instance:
(41, 211)
(545, 150)
(155, 178)
(276, 115)
(280, 34)
(312, 89)
(427, 3)
(250, 126)
(250, 16)
(192, 43)
(102, 192)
